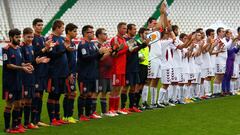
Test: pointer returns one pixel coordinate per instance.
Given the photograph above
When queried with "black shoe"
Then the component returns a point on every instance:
(160, 105)
(146, 106)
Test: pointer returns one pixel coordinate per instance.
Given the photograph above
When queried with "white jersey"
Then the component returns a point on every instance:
(177, 54)
(222, 57)
(198, 60)
(192, 65)
(167, 54)
(185, 63)
(155, 51)
(213, 58)
(206, 60)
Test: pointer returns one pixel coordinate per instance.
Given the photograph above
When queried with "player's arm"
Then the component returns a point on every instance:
(172, 35)
(207, 46)
(141, 45)
(39, 51)
(23, 68)
(163, 17)
(85, 55)
(56, 53)
(200, 48)
(123, 51)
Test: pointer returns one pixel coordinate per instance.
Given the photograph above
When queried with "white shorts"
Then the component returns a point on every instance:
(191, 76)
(154, 70)
(204, 73)
(166, 76)
(220, 68)
(175, 74)
(207, 72)
(211, 72)
(184, 78)
(197, 78)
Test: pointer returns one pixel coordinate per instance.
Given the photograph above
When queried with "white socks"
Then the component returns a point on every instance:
(170, 91)
(216, 88)
(161, 96)
(153, 91)
(207, 85)
(145, 94)
(174, 92)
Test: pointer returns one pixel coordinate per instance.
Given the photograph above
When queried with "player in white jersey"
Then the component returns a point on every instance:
(221, 58)
(176, 50)
(167, 38)
(184, 74)
(198, 61)
(208, 67)
(154, 58)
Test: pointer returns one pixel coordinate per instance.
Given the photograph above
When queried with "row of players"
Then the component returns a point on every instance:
(186, 63)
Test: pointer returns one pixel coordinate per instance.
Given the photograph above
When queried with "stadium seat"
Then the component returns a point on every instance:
(203, 13)
(22, 17)
(104, 13)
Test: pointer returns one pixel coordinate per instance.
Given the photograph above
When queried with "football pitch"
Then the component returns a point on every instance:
(209, 117)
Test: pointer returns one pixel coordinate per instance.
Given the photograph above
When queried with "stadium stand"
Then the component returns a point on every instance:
(22, 16)
(107, 14)
(190, 15)
(4, 27)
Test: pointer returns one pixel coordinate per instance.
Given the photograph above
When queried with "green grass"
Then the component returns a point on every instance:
(211, 117)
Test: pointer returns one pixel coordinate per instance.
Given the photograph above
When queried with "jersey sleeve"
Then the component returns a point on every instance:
(5, 56)
(84, 53)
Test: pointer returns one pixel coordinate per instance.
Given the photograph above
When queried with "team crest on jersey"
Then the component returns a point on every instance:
(117, 81)
(72, 87)
(13, 56)
(5, 57)
(10, 96)
(84, 89)
(53, 88)
(36, 86)
(25, 93)
(100, 88)
(84, 51)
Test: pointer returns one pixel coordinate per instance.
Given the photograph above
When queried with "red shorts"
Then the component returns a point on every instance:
(119, 80)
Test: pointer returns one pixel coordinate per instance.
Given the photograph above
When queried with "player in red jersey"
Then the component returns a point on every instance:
(119, 53)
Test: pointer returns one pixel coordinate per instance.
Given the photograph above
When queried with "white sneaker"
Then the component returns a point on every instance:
(96, 115)
(113, 113)
(109, 114)
(122, 112)
(169, 104)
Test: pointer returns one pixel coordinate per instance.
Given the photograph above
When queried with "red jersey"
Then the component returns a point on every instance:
(119, 61)
(106, 64)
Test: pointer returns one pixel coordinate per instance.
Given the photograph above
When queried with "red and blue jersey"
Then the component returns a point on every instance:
(28, 57)
(72, 59)
(87, 61)
(12, 79)
(106, 64)
(58, 65)
(38, 43)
